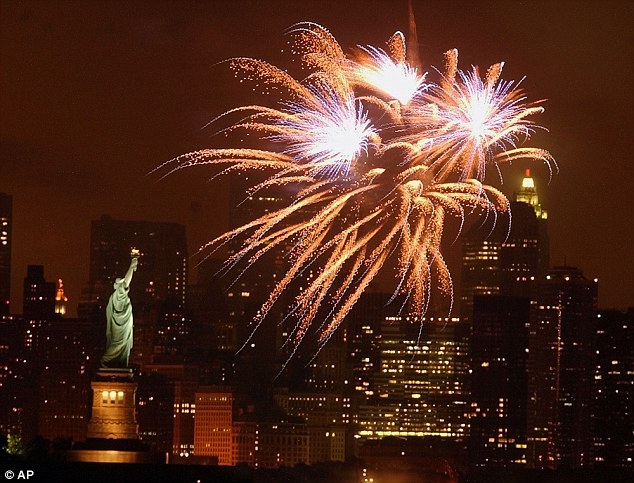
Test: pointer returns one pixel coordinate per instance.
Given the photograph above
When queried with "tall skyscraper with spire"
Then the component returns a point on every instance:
(528, 194)
(497, 261)
(499, 297)
(60, 299)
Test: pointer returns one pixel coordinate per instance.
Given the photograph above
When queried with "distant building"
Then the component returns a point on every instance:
(60, 299)
(38, 304)
(613, 413)
(520, 254)
(329, 422)
(166, 408)
(270, 443)
(6, 224)
(65, 359)
(363, 334)
(213, 424)
(329, 370)
(499, 380)
(481, 273)
(420, 387)
(162, 272)
(496, 260)
(502, 263)
(528, 194)
(561, 370)
(39, 295)
(18, 393)
(48, 367)
(155, 411)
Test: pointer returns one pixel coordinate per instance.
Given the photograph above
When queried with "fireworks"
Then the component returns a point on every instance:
(377, 157)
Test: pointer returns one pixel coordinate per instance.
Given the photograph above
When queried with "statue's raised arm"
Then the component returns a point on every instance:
(119, 321)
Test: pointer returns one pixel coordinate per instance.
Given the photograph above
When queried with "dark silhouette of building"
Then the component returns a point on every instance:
(49, 360)
(162, 272)
(65, 360)
(481, 274)
(6, 209)
(613, 414)
(39, 295)
(528, 194)
(496, 260)
(363, 335)
(499, 380)
(561, 370)
(17, 373)
(167, 408)
(38, 305)
(502, 264)
(61, 353)
(519, 254)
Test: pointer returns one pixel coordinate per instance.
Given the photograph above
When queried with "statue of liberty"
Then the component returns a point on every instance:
(119, 321)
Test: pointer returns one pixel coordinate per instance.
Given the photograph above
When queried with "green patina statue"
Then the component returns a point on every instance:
(119, 321)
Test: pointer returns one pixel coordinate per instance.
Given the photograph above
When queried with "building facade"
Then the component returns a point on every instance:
(6, 224)
(561, 370)
(420, 387)
(613, 414)
(499, 380)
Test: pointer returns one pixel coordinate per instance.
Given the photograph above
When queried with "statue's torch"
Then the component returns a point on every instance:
(135, 253)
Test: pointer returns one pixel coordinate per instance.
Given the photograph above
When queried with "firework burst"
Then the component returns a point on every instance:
(377, 159)
(387, 74)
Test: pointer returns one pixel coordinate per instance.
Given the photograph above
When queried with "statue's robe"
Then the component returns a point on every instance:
(118, 329)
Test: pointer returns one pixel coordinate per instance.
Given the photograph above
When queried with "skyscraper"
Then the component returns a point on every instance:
(38, 305)
(561, 370)
(519, 254)
(528, 195)
(496, 260)
(480, 269)
(419, 388)
(60, 299)
(39, 295)
(613, 413)
(162, 272)
(65, 356)
(499, 380)
(213, 424)
(6, 206)
(17, 373)
(501, 271)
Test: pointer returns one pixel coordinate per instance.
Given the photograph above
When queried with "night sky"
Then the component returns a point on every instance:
(94, 95)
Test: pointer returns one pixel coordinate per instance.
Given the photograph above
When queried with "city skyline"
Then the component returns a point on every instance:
(73, 124)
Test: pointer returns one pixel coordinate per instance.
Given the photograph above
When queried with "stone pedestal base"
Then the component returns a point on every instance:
(113, 405)
(113, 433)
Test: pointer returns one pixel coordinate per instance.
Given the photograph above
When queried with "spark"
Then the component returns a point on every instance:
(467, 123)
(387, 73)
(328, 138)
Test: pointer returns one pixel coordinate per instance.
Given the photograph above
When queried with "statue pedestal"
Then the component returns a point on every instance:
(113, 433)
(113, 405)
